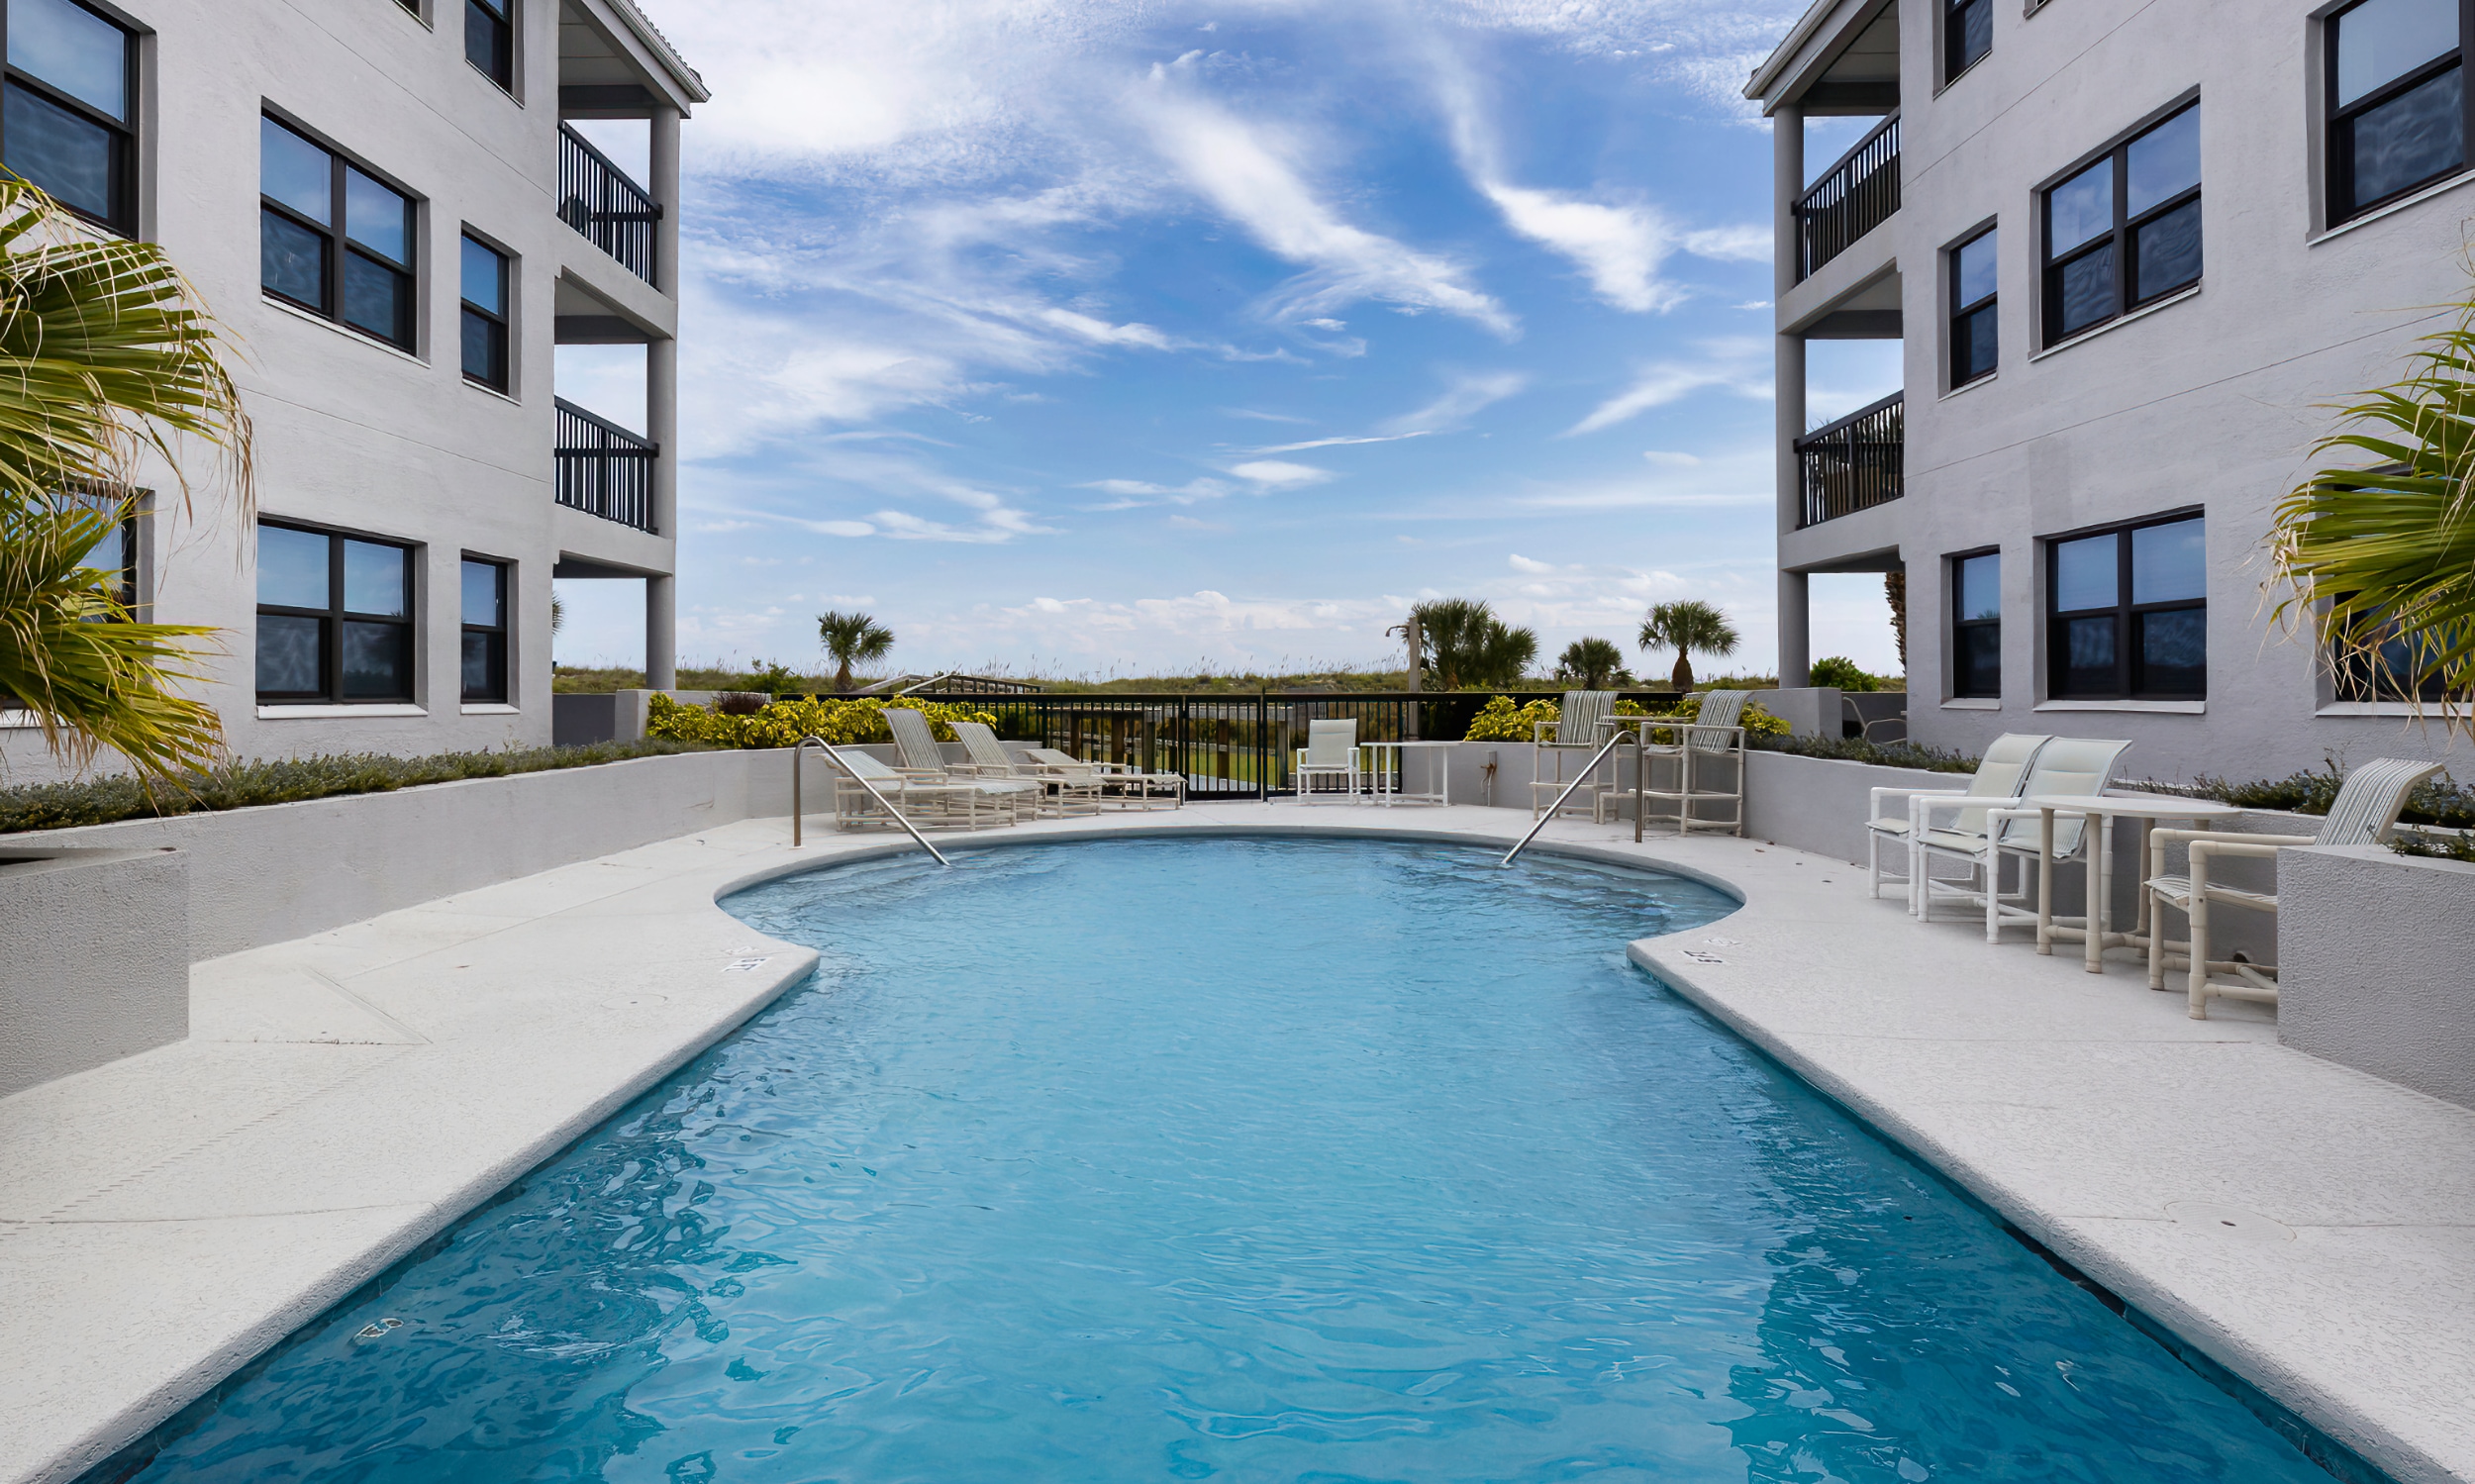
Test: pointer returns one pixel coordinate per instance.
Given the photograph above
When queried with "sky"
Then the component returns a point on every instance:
(1092, 340)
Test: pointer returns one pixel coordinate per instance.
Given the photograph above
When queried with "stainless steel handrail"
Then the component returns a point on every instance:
(1592, 766)
(798, 755)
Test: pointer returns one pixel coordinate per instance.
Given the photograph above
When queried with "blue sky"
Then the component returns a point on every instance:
(1138, 338)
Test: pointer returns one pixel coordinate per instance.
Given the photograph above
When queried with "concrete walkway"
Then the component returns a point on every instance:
(344, 1097)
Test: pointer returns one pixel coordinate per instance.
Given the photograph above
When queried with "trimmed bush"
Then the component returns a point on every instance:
(244, 785)
(784, 723)
(2440, 801)
(1501, 721)
(1898, 755)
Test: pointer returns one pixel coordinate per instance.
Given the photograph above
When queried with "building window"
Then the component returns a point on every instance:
(334, 617)
(485, 315)
(2125, 230)
(2127, 614)
(68, 120)
(490, 41)
(2397, 100)
(1974, 338)
(1976, 584)
(485, 630)
(331, 239)
(1967, 35)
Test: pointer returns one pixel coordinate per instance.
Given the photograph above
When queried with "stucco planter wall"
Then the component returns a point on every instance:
(286, 870)
(97, 961)
(2376, 960)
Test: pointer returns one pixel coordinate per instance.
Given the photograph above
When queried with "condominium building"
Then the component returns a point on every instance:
(2130, 250)
(387, 208)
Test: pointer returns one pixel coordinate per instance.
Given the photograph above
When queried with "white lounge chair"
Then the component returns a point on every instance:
(1062, 795)
(1714, 736)
(924, 760)
(2365, 811)
(1999, 774)
(1579, 729)
(1120, 783)
(1331, 752)
(2075, 765)
(965, 803)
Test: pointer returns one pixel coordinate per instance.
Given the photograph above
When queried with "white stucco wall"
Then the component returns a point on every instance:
(2376, 960)
(81, 986)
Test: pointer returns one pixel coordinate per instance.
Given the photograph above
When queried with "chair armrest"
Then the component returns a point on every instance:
(2222, 838)
(2248, 850)
(1925, 806)
(1909, 794)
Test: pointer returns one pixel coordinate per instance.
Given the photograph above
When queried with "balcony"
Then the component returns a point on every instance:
(1854, 463)
(604, 469)
(1852, 198)
(597, 199)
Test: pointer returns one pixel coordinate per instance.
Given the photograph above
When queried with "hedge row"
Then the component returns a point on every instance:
(240, 785)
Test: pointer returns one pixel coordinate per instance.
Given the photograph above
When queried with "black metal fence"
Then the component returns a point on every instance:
(1228, 746)
(604, 469)
(1854, 463)
(597, 198)
(1858, 194)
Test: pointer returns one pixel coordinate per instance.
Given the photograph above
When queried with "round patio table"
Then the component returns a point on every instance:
(2105, 809)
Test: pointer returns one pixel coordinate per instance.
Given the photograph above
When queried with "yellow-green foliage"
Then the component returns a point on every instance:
(784, 723)
(1501, 721)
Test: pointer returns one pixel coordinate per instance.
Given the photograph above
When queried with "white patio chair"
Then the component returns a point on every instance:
(965, 804)
(924, 760)
(1713, 738)
(2076, 766)
(1331, 752)
(2364, 812)
(1997, 780)
(1062, 796)
(1579, 729)
(1132, 785)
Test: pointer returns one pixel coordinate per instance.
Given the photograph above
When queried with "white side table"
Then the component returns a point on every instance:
(2102, 809)
(1439, 776)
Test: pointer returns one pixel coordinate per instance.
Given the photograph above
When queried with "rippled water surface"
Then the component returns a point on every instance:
(1245, 1160)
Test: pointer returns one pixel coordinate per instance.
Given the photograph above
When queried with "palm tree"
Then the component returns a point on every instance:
(1466, 644)
(851, 637)
(1686, 627)
(107, 360)
(2380, 561)
(1592, 661)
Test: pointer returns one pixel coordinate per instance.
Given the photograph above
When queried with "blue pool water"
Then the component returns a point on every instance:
(1244, 1159)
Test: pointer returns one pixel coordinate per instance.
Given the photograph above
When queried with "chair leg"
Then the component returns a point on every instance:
(2198, 913)
(1993, 895)
(2157, 940)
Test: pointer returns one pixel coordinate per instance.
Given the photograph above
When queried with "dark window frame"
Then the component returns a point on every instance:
(502, 322)
(1961, 625)
(495, 21)
(339, 247)
(494, 636)
(2337, 137)
(334, 615)
(123, 217)
(2122, 239)
(2129, 678)
(1956, 62)
(1989, 302)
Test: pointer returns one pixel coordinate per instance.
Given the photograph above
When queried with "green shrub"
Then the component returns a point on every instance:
(242, 785)
(1756, 720)
(1898, 755)
(2457, 846)
(1842, 673)
(1501, 721)
(2439, 801)
(784, 723)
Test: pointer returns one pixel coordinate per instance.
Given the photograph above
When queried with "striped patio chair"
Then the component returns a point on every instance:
(1579, 728)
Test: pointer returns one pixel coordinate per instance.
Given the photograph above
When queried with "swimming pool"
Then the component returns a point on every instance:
(1242, 1158)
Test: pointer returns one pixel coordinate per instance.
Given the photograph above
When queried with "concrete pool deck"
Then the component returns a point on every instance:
(344, 1097)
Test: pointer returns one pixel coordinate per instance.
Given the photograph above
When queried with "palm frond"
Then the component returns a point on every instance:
(2378, 559)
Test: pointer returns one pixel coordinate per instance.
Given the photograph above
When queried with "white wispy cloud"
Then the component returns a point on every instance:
(1467, 395)
(1732, 366)
(1276, 473)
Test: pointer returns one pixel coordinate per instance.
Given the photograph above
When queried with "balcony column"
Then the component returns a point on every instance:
(1787, 165)
(664, 161)
(661, 634)
(661, 428)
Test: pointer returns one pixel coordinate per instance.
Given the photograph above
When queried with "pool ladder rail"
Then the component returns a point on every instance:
(1589, 770)
(798, 755)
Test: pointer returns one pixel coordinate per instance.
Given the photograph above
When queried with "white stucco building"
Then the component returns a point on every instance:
(381, 202)
(2130, 250)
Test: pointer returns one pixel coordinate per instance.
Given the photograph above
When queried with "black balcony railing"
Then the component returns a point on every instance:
(604, 469)
(1237, 745)
(1858, 194)
(597, 198)
(1854, 463)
